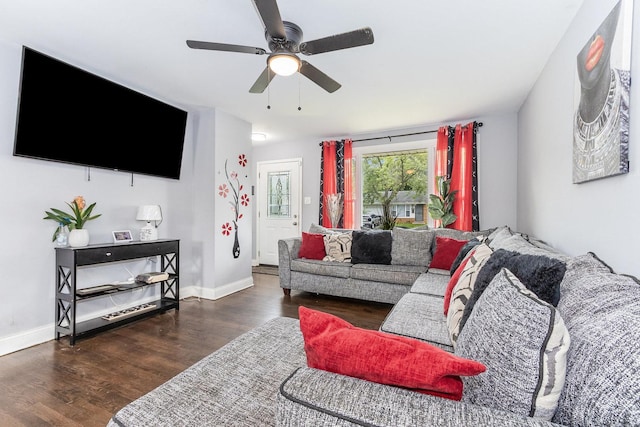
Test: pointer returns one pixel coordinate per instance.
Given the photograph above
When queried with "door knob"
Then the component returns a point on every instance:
(295, 223)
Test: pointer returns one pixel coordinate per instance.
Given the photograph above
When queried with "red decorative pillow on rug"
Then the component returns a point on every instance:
(335, 345)
(312, 246)
(447, 250)
(453, 281)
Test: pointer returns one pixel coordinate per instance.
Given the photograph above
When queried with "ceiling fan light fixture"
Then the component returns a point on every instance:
(283, 64)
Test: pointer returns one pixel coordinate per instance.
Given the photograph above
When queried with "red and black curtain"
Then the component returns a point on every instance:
(457, 159)
(336, 178)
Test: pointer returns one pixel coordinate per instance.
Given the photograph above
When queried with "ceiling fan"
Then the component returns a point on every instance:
(285, 41)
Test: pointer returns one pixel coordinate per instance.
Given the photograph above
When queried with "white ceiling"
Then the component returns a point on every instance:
(431, 62)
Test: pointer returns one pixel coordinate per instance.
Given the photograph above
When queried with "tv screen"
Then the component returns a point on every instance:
(69, 115)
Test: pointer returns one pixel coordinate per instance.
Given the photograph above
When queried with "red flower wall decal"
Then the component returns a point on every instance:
(238, 199)
(226, 229)
(223, 190)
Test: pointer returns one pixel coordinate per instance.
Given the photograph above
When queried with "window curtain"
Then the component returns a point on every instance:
(457, 159)
(336, 177)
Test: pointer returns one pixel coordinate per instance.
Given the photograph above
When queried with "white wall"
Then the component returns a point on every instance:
(599, 216)
(497, 153)
(29, 187)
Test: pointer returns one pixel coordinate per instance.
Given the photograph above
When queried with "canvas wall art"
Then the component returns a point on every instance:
(601, 120)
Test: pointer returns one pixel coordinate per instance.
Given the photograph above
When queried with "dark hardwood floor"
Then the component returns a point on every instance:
(56, 384)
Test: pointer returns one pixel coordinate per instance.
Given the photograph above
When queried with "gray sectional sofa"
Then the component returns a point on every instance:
(411, 252)
(262, 378)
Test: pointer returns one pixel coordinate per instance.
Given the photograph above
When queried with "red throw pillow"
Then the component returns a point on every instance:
(453, 281)
(335, 345)
(312, 246)
(447, 250)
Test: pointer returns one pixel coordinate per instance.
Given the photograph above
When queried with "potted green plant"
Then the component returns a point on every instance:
(441, 204)
(75, 220)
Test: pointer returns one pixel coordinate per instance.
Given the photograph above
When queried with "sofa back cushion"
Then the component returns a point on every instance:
(411, 247)
(523, 342)
(371, 247)
(602, 312)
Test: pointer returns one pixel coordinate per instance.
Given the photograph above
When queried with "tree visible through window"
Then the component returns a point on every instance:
(396, 182)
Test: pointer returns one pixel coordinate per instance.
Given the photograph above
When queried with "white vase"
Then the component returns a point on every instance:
(78, 238)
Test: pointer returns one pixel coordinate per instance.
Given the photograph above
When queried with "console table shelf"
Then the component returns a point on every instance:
(69, 259)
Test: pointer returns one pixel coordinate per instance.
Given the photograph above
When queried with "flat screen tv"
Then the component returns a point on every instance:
(69, 115)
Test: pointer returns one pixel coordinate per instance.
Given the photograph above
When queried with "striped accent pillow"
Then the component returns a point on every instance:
(463, 289)
(523, 341)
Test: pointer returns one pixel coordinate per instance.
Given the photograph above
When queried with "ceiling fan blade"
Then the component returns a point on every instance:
(318, 77)
(270, 15)
(194, 44)
(354, 38)
(263, 81)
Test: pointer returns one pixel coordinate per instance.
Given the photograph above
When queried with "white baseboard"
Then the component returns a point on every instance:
(227, 289)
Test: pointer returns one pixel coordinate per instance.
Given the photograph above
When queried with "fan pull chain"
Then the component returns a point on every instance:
(268, 89)
(299, 107)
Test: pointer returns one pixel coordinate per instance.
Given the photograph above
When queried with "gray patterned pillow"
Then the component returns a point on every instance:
(523, 342)
(338, 247)
(463, 289)
(411, 247)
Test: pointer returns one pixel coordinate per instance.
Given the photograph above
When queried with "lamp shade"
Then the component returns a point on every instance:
(149, 213)
(283, 64)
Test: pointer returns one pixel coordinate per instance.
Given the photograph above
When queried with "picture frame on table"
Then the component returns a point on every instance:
(122, 236)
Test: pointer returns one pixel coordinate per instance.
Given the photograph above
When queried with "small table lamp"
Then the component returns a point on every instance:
(149, 213)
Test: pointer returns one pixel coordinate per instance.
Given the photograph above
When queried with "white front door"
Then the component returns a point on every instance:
(279, 200)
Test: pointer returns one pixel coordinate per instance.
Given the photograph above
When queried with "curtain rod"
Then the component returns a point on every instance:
(397, 136)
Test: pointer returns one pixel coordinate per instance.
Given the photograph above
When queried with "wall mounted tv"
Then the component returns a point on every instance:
(69, 115)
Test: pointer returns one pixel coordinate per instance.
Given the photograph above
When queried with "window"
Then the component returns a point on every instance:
(410, 164)
(278, 194)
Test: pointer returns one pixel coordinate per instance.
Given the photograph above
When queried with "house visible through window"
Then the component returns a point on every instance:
(396, 177)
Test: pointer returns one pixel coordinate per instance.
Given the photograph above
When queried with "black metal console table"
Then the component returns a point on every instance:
(67, 297)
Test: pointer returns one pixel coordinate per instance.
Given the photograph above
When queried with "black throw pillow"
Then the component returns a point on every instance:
(463, 253)
(371, 247)
(538, 273)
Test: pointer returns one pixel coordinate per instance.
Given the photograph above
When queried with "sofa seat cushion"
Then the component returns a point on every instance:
(313, 397)
(419, 316)
(400, 274)
(431, 284)
(602, 312)
(322, 268)
(235, 385)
